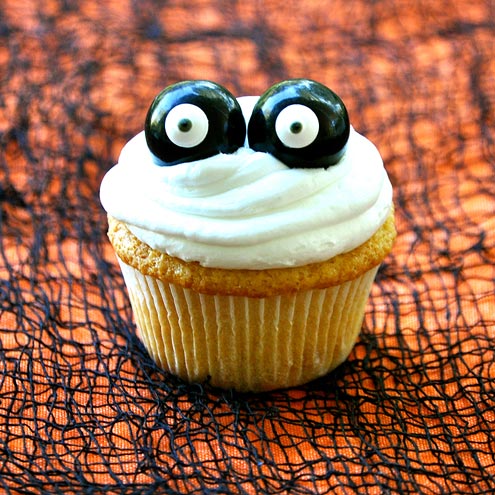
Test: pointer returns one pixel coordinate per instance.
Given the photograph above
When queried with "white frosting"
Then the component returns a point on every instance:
(247, 209)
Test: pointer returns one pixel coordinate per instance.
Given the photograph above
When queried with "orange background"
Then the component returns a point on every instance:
(83, 408)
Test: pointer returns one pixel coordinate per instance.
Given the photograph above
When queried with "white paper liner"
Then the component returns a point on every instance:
(250, 344)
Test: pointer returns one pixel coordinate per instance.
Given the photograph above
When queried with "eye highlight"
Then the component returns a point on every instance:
(302, 123)
(297, 126)
(193, 120)
(186, 125)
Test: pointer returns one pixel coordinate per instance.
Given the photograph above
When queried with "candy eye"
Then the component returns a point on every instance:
(186, 125)
(192, 120)
(297, 126)
(302, 123)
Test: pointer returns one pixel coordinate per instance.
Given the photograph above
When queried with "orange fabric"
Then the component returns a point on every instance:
(82, 406)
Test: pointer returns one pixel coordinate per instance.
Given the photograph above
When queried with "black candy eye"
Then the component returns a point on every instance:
(192, 120)
(302, 123)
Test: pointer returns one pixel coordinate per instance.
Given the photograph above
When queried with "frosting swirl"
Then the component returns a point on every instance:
(247, 210)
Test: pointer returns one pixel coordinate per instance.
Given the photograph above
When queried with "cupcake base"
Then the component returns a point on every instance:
(247, 343)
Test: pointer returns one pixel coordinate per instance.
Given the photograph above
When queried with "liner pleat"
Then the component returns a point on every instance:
(250, 344)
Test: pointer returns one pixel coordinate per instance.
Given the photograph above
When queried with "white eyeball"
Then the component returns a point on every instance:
(186, 125)
(297, 126)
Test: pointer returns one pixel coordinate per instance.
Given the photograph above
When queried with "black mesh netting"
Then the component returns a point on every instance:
(82, 406)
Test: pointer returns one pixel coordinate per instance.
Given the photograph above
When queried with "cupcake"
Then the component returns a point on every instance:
(249, 232)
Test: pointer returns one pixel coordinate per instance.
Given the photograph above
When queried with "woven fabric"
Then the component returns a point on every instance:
(83, 409)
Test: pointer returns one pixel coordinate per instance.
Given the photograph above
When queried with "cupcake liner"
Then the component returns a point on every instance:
(247, 343)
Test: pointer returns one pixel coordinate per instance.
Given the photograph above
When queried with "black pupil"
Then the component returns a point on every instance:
(296, 127)
(184, 125)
